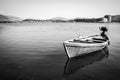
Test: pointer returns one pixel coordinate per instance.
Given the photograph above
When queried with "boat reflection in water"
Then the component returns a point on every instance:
(74, 64)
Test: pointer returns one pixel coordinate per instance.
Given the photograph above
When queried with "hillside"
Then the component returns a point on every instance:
(7, 19)
(116, 18)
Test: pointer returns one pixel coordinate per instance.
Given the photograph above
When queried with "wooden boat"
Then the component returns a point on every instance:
(83, 45)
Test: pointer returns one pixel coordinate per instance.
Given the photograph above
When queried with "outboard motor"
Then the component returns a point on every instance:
(104, 29)
(104, 36)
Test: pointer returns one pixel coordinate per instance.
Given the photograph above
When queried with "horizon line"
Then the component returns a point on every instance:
(57, 17)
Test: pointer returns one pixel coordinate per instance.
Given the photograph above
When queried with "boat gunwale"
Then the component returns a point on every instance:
(69, 43)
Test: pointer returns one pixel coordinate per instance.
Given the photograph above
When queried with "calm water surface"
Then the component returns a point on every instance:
(34, 51)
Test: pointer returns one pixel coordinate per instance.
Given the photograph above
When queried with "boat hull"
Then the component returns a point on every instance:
(76, 49)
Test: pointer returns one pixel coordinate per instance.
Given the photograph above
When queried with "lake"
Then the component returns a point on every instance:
(34, 51)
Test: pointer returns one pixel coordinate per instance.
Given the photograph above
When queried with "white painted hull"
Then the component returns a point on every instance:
(75, 49)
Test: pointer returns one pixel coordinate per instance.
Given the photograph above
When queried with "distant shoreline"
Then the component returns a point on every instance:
(105, 19)
(59, 22)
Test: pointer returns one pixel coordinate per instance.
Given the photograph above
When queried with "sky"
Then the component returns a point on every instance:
(46, 9)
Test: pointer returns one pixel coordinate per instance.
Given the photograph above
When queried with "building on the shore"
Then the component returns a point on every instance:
(108, 17)
(104, 19)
